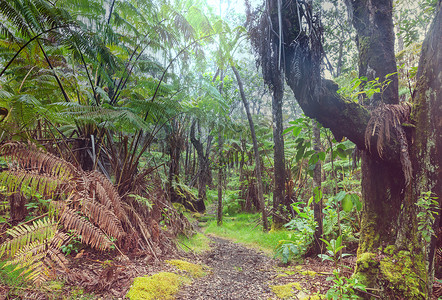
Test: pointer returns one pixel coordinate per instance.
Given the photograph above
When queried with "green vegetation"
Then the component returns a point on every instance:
(123, 123)
(194, 270)
(197, 243)
(162, 285)
(286, 291)
(245, 228)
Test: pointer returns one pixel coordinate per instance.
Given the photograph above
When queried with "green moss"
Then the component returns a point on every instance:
(390, 249)
(290, 272)
(309, 273)
(400, 272)
(194, 270)
(366, 260)
(367, 268)
(315, 297)
(162, 285)
(285, 291)
(370, 237)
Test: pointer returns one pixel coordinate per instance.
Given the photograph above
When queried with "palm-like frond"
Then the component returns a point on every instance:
(100, 114)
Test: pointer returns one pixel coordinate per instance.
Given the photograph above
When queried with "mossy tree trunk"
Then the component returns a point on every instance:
(391, 258)
(426, 151)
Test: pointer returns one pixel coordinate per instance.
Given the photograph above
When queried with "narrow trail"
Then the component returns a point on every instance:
(236, 273)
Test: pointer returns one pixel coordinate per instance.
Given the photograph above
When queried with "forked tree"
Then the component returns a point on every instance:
(401, 143)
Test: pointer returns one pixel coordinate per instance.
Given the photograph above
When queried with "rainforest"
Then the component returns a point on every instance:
(213, 149)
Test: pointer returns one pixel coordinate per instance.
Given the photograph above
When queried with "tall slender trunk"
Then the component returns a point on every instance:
(317, 180)
(220, 164)
(279, 164)
(255, 149)
(220, 179)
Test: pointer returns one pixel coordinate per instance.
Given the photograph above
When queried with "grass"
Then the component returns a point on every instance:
(198, 243)
(242, 228)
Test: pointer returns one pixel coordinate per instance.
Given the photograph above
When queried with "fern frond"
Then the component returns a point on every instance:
(106, 192)
(25, 234)
(385, 121)
(30, 158)
(90, 235)
(102, 217)
(30, 182)
(134, 219)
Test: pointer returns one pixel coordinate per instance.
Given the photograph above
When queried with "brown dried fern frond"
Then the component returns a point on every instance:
(29, 157)
(135, 220)
(104, 218)
(386, 120)
(106, 192)
(90, 235)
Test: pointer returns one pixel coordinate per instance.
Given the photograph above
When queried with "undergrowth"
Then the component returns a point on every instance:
(246, 229)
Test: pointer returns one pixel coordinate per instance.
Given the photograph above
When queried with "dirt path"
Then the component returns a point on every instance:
(236, 273)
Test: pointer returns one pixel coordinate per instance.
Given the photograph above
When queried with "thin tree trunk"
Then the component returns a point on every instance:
(279, 164)
(255, 149)
(317, 180)
(220, 179)
(220, 165)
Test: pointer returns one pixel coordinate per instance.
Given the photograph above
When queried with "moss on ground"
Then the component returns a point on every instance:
(163, 285)
(309, 273)
(285, 291)
(194, 270)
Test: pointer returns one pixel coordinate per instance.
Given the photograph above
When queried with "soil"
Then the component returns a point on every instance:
(236, 273)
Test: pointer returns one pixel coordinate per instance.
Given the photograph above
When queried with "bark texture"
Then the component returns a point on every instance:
(203, 166)
(373, 20)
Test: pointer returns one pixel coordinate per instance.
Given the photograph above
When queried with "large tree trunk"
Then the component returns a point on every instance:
(426, 151)
(255, 150)
(373, 21)
(391, 258)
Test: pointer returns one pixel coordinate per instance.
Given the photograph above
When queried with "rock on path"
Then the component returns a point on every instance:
(237, 273)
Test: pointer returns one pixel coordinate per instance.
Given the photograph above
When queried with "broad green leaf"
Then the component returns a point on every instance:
(347, 203)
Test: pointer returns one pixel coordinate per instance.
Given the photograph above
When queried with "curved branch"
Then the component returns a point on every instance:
(25, 45)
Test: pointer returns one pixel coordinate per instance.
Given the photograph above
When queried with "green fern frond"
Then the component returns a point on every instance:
(33, 183)
(39, 230)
